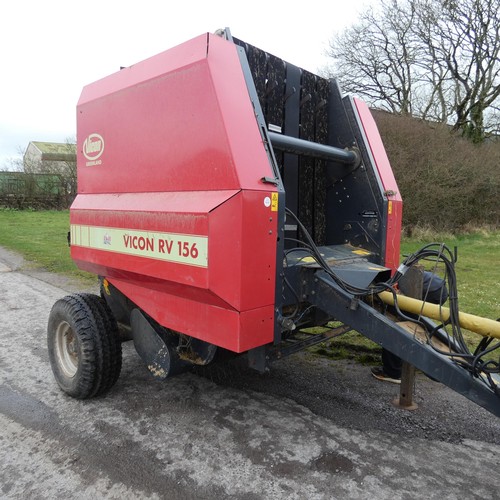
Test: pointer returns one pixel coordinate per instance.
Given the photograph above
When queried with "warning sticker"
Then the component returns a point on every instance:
(308, 260)
(360, 251)
(274, 202)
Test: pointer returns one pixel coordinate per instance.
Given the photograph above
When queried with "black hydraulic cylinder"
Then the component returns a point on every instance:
(309, 148)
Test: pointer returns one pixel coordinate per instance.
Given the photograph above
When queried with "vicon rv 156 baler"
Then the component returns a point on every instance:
(229, 201)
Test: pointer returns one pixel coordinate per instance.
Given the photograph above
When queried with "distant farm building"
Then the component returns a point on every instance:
(49, 157)
(48, 179)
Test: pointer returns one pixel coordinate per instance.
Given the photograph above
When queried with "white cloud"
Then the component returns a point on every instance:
(51, 49)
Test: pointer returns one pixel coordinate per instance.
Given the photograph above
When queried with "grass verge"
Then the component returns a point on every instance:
(41, 238)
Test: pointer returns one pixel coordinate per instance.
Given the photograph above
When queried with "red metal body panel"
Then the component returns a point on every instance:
(179, 121)
(395, 202)
(218, 325)
(242, 221)
(171, 207)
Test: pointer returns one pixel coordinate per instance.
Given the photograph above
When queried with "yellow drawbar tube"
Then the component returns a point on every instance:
(483, 326)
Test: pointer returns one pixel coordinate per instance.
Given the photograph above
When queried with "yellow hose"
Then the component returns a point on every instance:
(482, 326)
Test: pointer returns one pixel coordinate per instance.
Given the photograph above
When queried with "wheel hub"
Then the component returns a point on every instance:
(67, 349)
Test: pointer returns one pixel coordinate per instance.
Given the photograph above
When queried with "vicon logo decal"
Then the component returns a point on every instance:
(93, 147)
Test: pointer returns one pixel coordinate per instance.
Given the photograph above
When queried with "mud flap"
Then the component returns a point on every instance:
(157, 350)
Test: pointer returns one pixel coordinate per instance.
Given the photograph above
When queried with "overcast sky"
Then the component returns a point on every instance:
(50, 49)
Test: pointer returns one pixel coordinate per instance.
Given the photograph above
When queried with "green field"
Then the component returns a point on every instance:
(477, 269)
(41, 238)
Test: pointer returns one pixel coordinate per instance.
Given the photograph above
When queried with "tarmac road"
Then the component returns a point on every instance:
(311, 429)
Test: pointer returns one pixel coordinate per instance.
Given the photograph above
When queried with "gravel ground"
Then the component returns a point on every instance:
(312, 428)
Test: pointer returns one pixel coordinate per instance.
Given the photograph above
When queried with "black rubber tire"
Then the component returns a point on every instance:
(84, 345)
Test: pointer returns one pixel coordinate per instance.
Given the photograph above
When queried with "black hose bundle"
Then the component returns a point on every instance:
(441, 256)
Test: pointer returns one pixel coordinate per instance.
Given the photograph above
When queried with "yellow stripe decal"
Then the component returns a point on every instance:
(171, 247)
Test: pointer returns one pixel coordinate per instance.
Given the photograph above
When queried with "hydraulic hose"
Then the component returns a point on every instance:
(482, 326)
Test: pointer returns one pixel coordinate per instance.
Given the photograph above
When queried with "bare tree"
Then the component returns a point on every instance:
(464, 38)
(14, 164)
(70, 173)
(436, 59)
(374, 57)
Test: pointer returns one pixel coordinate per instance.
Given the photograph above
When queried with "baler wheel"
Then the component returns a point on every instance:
(84, 345)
